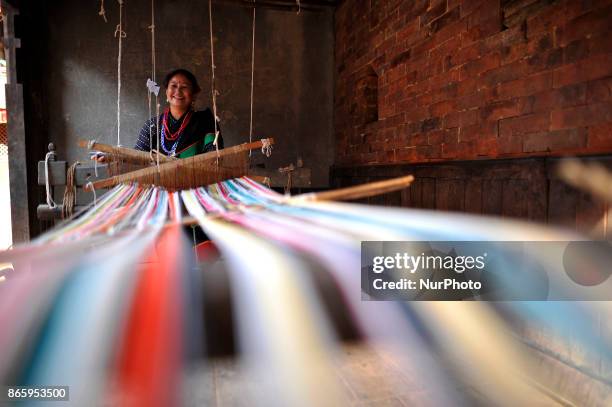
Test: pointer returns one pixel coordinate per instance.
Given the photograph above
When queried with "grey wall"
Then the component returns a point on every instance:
(293, 74)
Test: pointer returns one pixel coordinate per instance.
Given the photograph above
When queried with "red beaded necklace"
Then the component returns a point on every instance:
(173, 136)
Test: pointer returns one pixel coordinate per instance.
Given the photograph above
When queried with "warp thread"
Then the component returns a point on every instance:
(69, 192)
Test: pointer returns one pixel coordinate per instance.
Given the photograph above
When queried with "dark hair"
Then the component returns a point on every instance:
(190, 77)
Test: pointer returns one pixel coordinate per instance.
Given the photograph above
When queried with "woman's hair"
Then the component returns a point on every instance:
(190, 77)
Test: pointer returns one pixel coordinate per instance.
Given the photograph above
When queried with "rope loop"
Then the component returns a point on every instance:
(119, 31)
(90, 185)
(50, 200)
(266, 147)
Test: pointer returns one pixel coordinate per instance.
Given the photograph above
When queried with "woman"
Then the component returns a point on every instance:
(182, 131)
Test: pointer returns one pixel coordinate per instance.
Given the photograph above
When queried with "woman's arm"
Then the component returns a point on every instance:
(144, 137)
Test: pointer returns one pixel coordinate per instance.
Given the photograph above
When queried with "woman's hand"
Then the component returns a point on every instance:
(99, 157)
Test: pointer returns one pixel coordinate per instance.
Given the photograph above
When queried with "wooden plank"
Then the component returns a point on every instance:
(473, 196)
(57, 172)
(562, 204)
(428, 194)
(514, 199)
(450, 194)
(492, 197)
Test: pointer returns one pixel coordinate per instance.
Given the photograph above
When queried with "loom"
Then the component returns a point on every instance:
(127, 160)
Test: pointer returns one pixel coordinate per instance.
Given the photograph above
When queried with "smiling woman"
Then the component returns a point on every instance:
(180, 131)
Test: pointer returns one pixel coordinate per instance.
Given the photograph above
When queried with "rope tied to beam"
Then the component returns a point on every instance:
(213, 89)
(153, 88)
(50, 200)
(252, 79)
(120, 34)
(102, 12)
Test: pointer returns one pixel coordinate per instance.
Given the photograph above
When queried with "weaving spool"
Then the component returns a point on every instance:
(190, 172)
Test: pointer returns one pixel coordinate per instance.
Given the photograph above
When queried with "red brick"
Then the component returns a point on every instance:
(524, 124)
(510, 144)
(408, 31)
(480, 32)
(600, 44)
(600, 90)
(500, 110)
(466, 54)
(444, 20)
(585, 25)
(512, 53)
(424, 153)
(478, 66)
(506, 73)
(545, 60)
(462, 119)
(467, 150)
(435, 11)
(449, 150)
(600, 137)
(442, 108)
(579, 116)
(504, 38)
(446, 48)
(553, 16)
(405, 154)
(525, 86)
(418, 139)
(487, 147)
(575, 51)
(584, 70)
(555, 141)
(473, 100)
(467, 86)
(478, 131)
(452, 30)
(571, 95)
(442, 136)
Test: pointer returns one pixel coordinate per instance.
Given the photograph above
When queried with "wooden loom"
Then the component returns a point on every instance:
(176, 174)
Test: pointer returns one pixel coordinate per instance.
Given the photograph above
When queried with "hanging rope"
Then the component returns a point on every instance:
(212, 64)
(50, 200)
(299, 5)
(102, 12)
(120, 34)
(153, 87)
(252, 78)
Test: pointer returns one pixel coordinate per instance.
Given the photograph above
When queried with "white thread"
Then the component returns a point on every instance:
(156, 87)
(212, 64)
(299, 6)
(120, 34)
(90, 185)
(266, 147)
(50, 200)
(102, 12)
(252, 78)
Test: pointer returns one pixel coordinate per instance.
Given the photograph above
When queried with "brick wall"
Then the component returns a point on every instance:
(472, 79)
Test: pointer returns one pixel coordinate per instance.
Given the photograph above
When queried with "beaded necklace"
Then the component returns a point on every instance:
(166, 134)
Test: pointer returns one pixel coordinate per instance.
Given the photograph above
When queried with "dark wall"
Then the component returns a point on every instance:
(525, 188)
(293, 74)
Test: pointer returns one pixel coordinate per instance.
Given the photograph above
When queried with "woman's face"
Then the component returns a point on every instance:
(180, 92)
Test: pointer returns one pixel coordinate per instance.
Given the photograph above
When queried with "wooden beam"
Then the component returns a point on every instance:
(127, 154)
(173, 167)
(359, 191)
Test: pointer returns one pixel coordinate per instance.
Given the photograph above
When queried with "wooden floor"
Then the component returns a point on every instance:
(367, 379)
